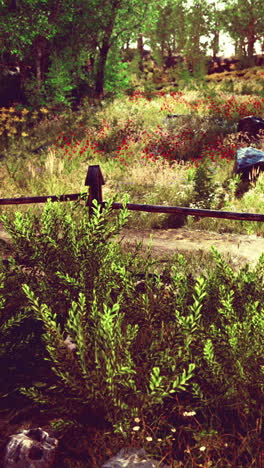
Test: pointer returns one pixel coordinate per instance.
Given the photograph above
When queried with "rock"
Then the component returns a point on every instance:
(251, 125)
(259, 60)
(10, 86)
(172, 60)
(31, 448)
(42, 148)
(222, 64)
(173, 119)
(247, 159)
(11, 71)
(133, 458)
(174, 116)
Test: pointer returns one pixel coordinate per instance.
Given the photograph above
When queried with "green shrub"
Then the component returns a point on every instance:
(117, 75)
(204, 185)
(35, 93)
(180, 341)
(59, 81)
(80, 273)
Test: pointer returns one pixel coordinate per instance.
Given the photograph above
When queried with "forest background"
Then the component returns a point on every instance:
(174, 346)
(68, 49)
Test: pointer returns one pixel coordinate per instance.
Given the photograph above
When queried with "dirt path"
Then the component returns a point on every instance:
(242, 248)
(165, 242)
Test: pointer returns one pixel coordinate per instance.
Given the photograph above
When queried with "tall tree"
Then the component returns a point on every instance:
(119, 21)
(198, 25)
(215, 27)
(95, 27)
(168, 35)
(244, 21)
(27, 27)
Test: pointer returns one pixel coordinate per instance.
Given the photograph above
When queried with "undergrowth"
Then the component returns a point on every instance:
(141, 152)
(179, 355)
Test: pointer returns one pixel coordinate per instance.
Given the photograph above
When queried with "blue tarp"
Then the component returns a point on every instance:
(247, 157)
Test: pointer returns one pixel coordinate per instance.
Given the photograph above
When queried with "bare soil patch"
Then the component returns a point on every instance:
(239, 248)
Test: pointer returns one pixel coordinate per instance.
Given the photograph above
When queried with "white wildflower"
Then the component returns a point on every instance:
(136, 428)
(189, 413)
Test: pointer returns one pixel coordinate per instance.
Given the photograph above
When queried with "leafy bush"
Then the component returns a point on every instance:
(117, 78)
(59, 81)
(119, 349)
(83, 283)
(204, 185)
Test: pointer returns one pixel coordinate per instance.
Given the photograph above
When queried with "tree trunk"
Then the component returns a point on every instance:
(215, 45)
(103, 51)
(99, 81)
(240, 47)
(39, 46)
(38, 66)
(24, 71)
(174, 48)
(162, 49)
(140, 47)
(250, 43)
(12, 6)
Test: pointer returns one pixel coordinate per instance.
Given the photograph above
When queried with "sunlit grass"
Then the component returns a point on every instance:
(136, 151)
(244, 82)
(128, 140)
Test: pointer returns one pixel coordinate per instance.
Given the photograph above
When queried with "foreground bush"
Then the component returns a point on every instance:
(178, 346)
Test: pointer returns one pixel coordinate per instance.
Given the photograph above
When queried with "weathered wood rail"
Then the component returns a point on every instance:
(94, 180)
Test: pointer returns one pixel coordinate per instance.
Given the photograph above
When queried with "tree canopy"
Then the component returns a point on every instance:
(58, 39)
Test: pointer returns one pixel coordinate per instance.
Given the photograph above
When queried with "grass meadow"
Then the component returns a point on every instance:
(139, 154)
(168, 360)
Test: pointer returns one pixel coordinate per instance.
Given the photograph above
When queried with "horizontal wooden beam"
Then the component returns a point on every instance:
(139, 207)
(44, 199)
(190, 211)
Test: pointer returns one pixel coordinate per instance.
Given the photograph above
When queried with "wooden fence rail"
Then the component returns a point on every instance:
(94, 180)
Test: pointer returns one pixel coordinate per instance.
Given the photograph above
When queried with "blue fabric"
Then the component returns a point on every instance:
(249, 156)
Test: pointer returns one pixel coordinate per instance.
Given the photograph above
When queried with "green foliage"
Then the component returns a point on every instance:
(59, 82)
(204, 185)
(33, 31)
(24, 24)
(20, 334)
(127, 353)
(82, 282)
(94, 321)
(237, 19)
(170, 28)
(183, 77)
(117, 79)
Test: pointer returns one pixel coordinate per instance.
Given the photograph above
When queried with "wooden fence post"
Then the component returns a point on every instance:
(94, 179)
